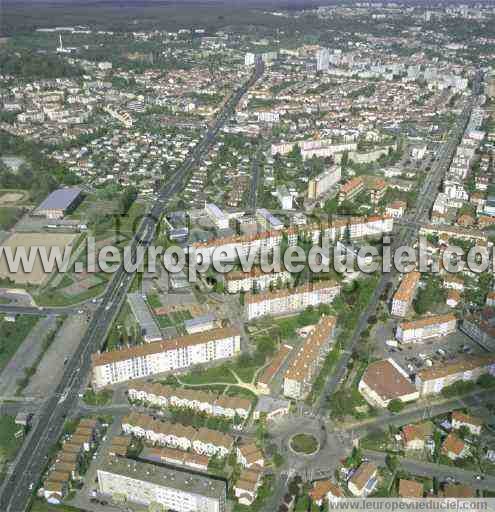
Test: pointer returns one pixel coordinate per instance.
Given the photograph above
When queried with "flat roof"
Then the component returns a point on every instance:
(165, 477)
(60, 199)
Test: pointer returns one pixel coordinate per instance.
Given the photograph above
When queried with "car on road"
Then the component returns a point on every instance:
(450, 479)
(479, 477)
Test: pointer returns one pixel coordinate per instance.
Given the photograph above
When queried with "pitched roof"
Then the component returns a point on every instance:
(410, 489)
(453, 444)
(363, 474)
(322, 487)
(386, 380)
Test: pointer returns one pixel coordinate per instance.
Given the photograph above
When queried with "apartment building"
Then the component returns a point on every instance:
(466, 368)
(217, 216)
(351, 189)
(268, 221)
(148, 484)
(286, 301)
(237, 281)
(174, 435)
(403, 297)
(306, 365)
(425, 328)
(174, 354)
(241, 244)
(321, 184)
(384, 381)
(159, 395)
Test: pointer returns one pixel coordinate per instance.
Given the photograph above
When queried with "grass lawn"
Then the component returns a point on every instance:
(56, 298)
(8, 443)
(154, 300)
(12, 334)
(9, 216)
(97, 398)
(245, 373)
(43, 506)
(210, 376)
(241, 392)
(304, 443)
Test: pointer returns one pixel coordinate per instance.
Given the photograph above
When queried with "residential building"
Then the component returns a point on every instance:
(325, 490)
(149, 484)
(271, 370)
(174, 354)
(351, 189)
(174, 435)
(322, 59)
(281, 302)
(425, 328)
(268, 221)
(396, 209)
(465, 368)
(249, 455)
(217, 216)
(307, 362)
(413, 438)
(247, 485)
(459, 420)
(159, 395)
(410, 489)
(321, 184)
(384, 381)
(454, 447)
(404, 295)
(364, 481)
(237, 280)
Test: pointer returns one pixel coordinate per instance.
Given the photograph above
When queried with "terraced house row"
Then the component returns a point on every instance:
(201, 401)
(164, 356)
(174, 435)
(306, 365)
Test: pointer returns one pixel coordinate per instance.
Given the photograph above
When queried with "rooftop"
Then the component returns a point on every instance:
(166, 477)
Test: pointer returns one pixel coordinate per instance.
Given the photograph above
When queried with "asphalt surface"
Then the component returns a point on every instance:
(441, 472)
(28, 468)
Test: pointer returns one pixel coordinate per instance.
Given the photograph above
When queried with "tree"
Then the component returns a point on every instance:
(395, 405)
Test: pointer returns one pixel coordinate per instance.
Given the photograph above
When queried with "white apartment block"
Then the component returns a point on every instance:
(203, 441)
(281, 302)
(235, 245)
(322, 183)
(159, 395)
(217, 216)
(306, 365)
(466, 368)
(238, 281)
(404, 295)
(426, 328)
(150, 485)
(175, 354)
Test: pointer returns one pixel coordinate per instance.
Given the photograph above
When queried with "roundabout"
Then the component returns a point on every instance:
(304, 444)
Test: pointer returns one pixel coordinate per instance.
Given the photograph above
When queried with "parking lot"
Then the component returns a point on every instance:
(416, 356)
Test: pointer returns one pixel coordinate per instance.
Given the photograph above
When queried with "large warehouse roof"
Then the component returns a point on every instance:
(60, 199)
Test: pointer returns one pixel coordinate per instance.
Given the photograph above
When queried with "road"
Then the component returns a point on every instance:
(32, 459)
(439, 471)
(406, 235)
(40, 311)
